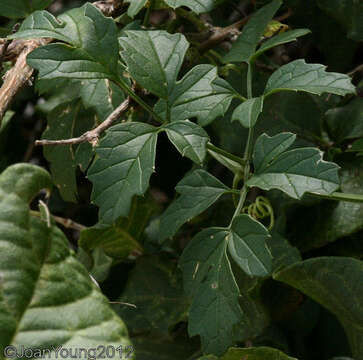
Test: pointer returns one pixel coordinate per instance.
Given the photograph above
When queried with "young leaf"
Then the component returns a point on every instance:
(300, 76)
(247, 246)
(154, 59)
(198, 190)
(245, 46)
(247, 113)
(47, 298)
(200, 93)
(293, 172)
(125, 162)
(200, 6)
(335, 283)
(280, 39)
(189, 138)
(21, 8)
(209, 279)
(93, 38)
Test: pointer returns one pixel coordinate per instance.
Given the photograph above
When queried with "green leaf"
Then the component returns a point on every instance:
(335, 283)
(154, 59)
(247, 113)
(255, 353)
(300, 76)
(64, 122)
(357, 146)
(280, 39)
(345, 122)
(200, 93)
(47, 298)
(16, 9)
(200, 6)
(293, 172)
(189, 138)
(245, 46)
(93, 53)
(348, 13)
(198, 190)
(209, 279)
(158, 307)
(134, 7)
(247, 246)
(125, 162)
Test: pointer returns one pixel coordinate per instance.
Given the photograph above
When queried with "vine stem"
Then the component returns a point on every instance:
(225, 153)
(247, 153)
(67, 223)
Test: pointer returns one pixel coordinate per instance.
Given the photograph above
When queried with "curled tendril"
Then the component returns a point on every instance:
(261, 209)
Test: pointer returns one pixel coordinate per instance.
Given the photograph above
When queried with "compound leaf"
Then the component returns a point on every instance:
(125, 162)
(293, 172)
(245, 46)
(247, 113)
(47, 298)
(336, 283)
(93, 53)
(154, 59)
(189, 138)
(300, 76)
(200, 93)
(198, 191)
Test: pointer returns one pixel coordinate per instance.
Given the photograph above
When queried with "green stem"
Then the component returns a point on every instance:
(236, 179)
(138, 99)
(338, 196)
(249, 81)
(148, 12)
(225, 153)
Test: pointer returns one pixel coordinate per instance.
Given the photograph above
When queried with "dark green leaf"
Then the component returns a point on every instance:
(16, 9)
(154, 287)
(125, 162)
(200, 93)
(154, 59)
(293, 172)
(201, 6)
(247, 113)
(300, 76)
(93, 53)
(189, 138)
(357, 146)
(198, 190)
(255, 353)
(280, 39)
(245, 46)
(47, 298)
(345, 122)
(336, 283)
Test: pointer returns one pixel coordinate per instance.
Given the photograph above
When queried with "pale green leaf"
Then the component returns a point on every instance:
(293, 172)
(247, 246)
(247, 113)
(125, 162)
(93, 53)
(198, 191)
(200, 93)
(245, 45)
(280, 39)
(336, 283)
(154, 58)
(189, 138)
(16, 9)
(255, 353)
(300, 76)
(47, 298)
(134, 7)
(200, 6)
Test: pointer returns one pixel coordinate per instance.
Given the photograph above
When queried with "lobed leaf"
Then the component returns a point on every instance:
(300, 76)
(245, 46)
(198, 190)
(125, 162)
(293, 172)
